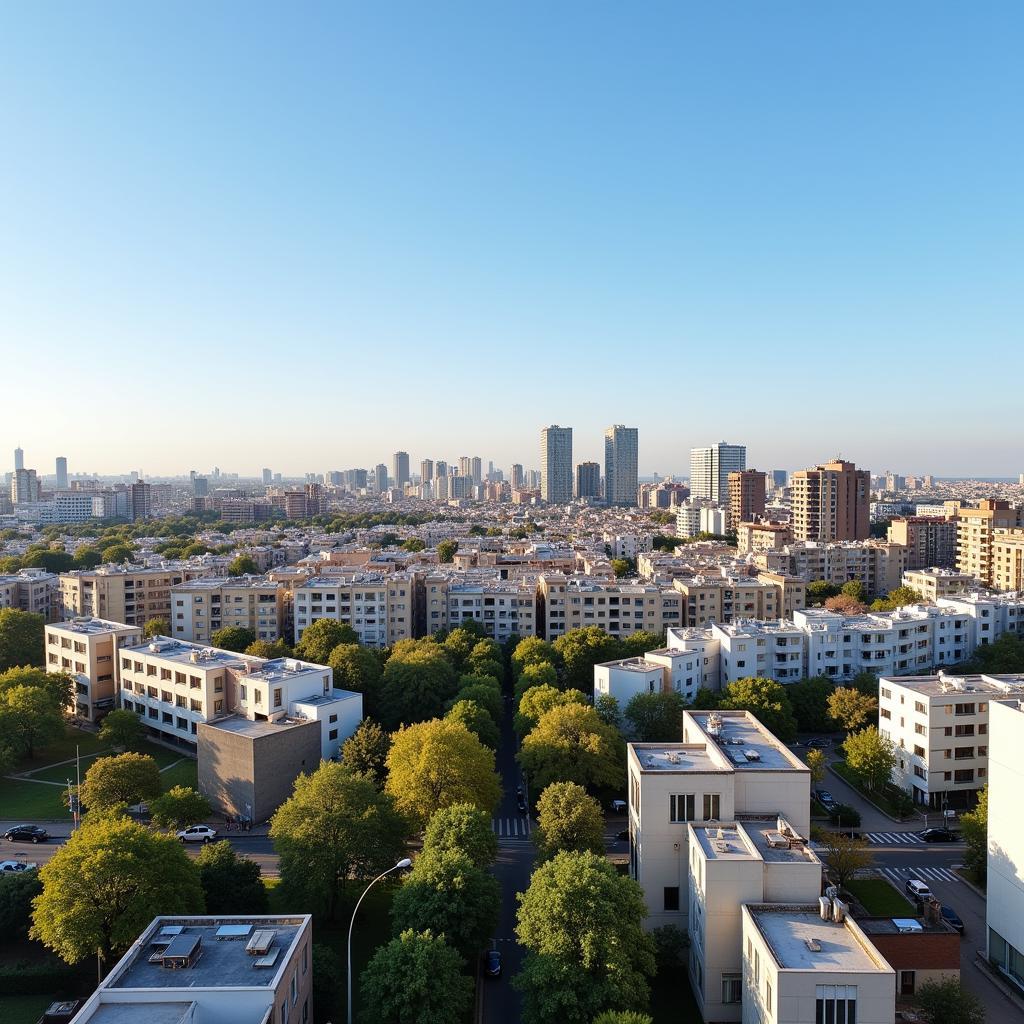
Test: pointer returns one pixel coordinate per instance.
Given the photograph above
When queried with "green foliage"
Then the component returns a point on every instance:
(17, 891)
(418, 681)
(458, 645)
(871, 757)
(415, 977)
(532, 650)
(439, 763)
(607, 708)
(865, 683)
(126, 779)
(946, 1001)
(766, 700)
(897, 598)
(974, 829)
(366, 750)
(107, 883)
(233, 638)
(582, 926)
(117, 553)
(670, 945)
(328, 982)
(817, 761)
(21, 638)
(179, 807)
(358, 669)
(637, 644)
(60, 686)
(541, 674)
(854, 589)
(413, 544)
(623, 567)
(477, 720)
(30, 719)
(1003, 656)
(568, 819)
(335, 827)
(465, 829)
(582, 649)
(666, 542)
(321, 637)
(50, 559)
(844, 816)
(88, 558)
(819, 591)
(705, 700)
(570, 743)
(656, 717)
(232, 884)
(844, 856)
(485, 691)
(537, 701)
(851, 708)
(243, 565)
(156, 627)
(809, 699)
(446, 550)
(270, 649)
(623, 1017)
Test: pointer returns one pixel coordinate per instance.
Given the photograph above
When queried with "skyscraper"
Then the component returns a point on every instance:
(710, 469)
(426, 471)
(588, 480)
(19, 459)
(267, 476)
(476, 469)
(62, 473)
(24, 485)
(556, 464)
(465, 465)
(517, 476)
(440, 469)
(400, 469)
(620, 465)
(830, 502)
(141, 500)
(380, 477)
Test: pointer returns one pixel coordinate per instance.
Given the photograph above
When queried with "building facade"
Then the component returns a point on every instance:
(830, 502)
(556, 464)
(746, 498)
(710, 468)
(620, 465)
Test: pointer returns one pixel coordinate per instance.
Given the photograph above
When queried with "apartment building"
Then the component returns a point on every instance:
(774, 650)
(201, 607)
(710, 468)
(939, 725)
(792, 592)
(879, 565)
(761, 536)
(32, 590)
(588, 480)
(87, 648)
(231, 970)
(504, 608)
(627, 677)
(830, 502)
(378, 606)
(727, 765)
(620, 465)
(566, 602)
(746, 497)
(975, 534)
(990, 615)
(129, 594)
(1008, 560)
(708, 598)
(929, 540)
(556, 464)
(936, 582)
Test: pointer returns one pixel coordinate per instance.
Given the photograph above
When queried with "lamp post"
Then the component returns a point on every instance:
(403, 863)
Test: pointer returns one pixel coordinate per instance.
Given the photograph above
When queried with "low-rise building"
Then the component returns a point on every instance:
(774, 650)
(919, 950)
(201, 607)
(935, 582)
(378, 606)
(32, 590)
(762, 536)
(626, 678)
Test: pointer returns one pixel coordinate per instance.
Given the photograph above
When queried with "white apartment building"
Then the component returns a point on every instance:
(620, 465)
(222, 970)
(751, 648)
(710, 468)
(990, 614)
(87, 649)
(378, 606)
(628, 545)
(939, 725)
(937, 582)
(504, 609)
(626, 678)
(32, 590)
(201, 607)
(726, 766)
(556, 464)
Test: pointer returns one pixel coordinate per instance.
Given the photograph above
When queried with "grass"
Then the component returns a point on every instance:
(23, 1009)
(880, 898)
(186, 773)
(880, 800)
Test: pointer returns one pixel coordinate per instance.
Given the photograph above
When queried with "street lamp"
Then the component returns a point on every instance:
(403, 863)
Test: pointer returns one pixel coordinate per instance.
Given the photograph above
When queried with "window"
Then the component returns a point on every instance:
(277, 697)
(295, 987)
(671, 897)
(712, 803)
(332, 719)
(732, 988)
(681, 807)
(333, 734)
(835, 1004)
(907, 983)
(305, 958)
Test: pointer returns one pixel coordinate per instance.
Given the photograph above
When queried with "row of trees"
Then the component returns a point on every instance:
(852, 598)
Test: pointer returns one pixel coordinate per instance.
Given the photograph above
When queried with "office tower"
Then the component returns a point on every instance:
(267, 476)
(778, 478)
(556, 464)
(62, 473)
(746, 498)
(380, 476)
(464, 465)
(141, 501)
(517, 476)
(710, 469)
(490, 472)
(400, 469)
(588, 480)
(440, 469)
(620, 465)
(19, 459)
(426, 471)
(356, 479)
(24, 485)
(830, 502)
(476, 469)
(200, 487)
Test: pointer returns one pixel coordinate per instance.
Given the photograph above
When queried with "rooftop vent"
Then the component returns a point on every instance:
(260, 943)
(752, 755)
(813, 945)
(777, 841)
(824, 908)
(182, 952)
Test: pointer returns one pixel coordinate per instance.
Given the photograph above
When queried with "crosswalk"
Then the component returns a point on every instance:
(900, 875)
(511, 828)
(893, 838)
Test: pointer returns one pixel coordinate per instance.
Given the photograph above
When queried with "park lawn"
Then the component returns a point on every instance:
(185, 773)
(32, 801)
(880, 898)
(64, 749)
(23, 1009)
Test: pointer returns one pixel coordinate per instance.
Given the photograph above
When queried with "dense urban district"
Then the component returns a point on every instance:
(553, 745)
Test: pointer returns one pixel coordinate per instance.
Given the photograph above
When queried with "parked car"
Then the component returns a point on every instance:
(26, 834)
(916, 888)
(951, 917)
(198, 834)
(492, 964)
(819, 743)
(521, 803)
(825, 798)
(15, 866)
(939, 835)
(622, 836)
(618, 807)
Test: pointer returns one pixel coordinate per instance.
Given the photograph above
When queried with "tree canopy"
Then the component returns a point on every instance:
(233, 638)
(30, 719)
(532, 650)
(568, 819)
(476, 719)
(974, 829)
(179, 807)
(418, 680)
(809, 700)
(366, 750)
(358, 669)
(121, 780)
(321, 637)
(871, 756)
(243, 565)
(537, 701)
(231, 884)
(464, 828)
(851, 708)
(656, 717)
(21, 638)
(946, 1001)
(121, 728)
(446, 550)
(582, 649)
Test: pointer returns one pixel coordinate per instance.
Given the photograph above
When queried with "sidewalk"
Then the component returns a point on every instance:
(62, 829)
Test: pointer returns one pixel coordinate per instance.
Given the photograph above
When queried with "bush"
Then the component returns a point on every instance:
(51, 977)
(845, 815)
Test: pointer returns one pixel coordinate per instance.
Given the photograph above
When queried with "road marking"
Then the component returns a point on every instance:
(886, 838)
(932, 874)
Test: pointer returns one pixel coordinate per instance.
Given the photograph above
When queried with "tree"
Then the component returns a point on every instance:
(358, 669)
(818, 592)
(179, 807)
(335, 826)
(1004, 655)
(29, 719)
(817, 761)
(582, 926)
(126, 779)
(413, 544)
(705, 699)
(446, 550)
(486, 659)
(321, 637)
(946, 1001)
(464, 828)
(623, 567)
(270, 649)
(328, 983)
(231, 884)
(623, 1017)
(17, 891)
(532, 650)
(854, 589)
(851, 708)
(107, 883)
(243, 565)
(809, 700)
(607, 708)
(568, 819)
(366, 751)
(439, 763)
(88, 558)
(844, 604)
(866, 683)
(871, 756)
(458, 645)
(59, 685)
(121, 729)
(845, 856)
(156, 627)
(571, 744)
(582, 649)
(897, 598)
(447, 892)
(639, 643)
(477, 720)
(537, 701)
(117, 553)
(21, 638)
(486, 691)
(656, 717)
(974, 829)
(417, 683)
(233, 638)
(766, 700)
(415, 977)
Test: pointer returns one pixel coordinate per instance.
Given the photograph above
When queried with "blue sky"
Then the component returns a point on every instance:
(306, 235)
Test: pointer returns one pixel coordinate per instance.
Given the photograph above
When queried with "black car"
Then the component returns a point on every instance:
(938, 835)
(819, 743)
(825, 798)
(26, 834)
(492, 965)
(951, 917)
(521, 803)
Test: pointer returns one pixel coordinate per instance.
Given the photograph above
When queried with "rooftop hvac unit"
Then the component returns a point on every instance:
(777, 841)
(721, 846)
(825, 908)
(813, 945)
(839, 910)
(720, 834)
(752, 755)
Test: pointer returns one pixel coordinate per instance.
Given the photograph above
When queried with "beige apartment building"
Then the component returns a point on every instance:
(1008, 560)
(131, 595)
(830, 502)
(201, 607)
(929, 540)
(878, 564)
(87, 648)
(762, 536)
(746, 497)
(708, 599)
(975, 534)
(378, 606)
(32, 590)
(932, 584)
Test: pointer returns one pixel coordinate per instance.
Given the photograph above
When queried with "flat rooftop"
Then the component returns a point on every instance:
(726, 842)
(742, 740)
(788, 929)
(758, 839)
(182, 651)
(674, 757)
(152, 1013)
(942, 685)
(221, 962)
(631, 665)
(92, 626)
(242, 726)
